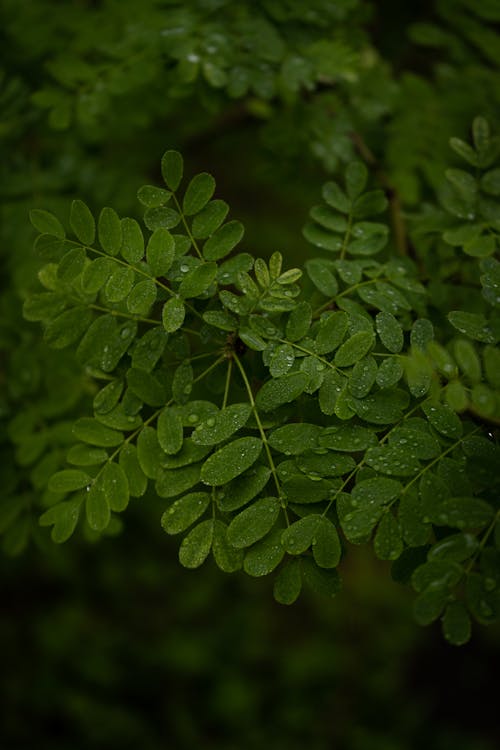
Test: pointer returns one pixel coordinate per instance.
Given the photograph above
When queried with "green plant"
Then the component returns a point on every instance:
(283, 417)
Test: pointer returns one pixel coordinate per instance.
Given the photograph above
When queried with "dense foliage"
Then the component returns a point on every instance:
(271, 415)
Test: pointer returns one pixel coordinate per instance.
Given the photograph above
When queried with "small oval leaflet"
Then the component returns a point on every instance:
(288, 583)
(63, 517)
(142, 297)
(295, 438)
(221, 426)
(196, 546)
(389, 331)
(226, 557)
(184, 511)
(132, 248)
(115, 486)
(172, 167)
(170, 430)
(69, 480)
(253, 523)
(281, 390)
(198, 193)
(173, 314)
(231, 460)
(354, 349)
(47, 223)
(109, 229)
(82, 222)
(198, 280)
(223, 240)
(331, 332)
(160, 251)
(265, 555)
(209, 219)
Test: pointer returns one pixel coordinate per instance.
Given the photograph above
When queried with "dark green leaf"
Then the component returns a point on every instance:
(196, 546)
(170, 430)
(129, 462)
(209, 219)
(82, 222)
(46, 223)
(132, 248)
(226, 557)
(184, 511)
(265, 555)
(198, 280)
(456, 624)
(160, 251)
(198, 193)
(253, 523)
(172, 167)
(288, 583)
(68, 480)
(223, 240)
(231, 460)
(222, 425)
(352, 350)
(281, 390)
(109, 229)
(173, 314)
(331, 332)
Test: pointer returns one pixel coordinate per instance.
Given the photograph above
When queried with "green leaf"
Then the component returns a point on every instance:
(173, 314)
(209, 219)
(67, 327)
(129, 462)
(64, 518)
(132, 249)
(472, 324)
(331, 332)
(161, 217)
(242, 489)
(149, 452)
(69, 480)
(421, 334)
(418, 441)
(46, 223)
(462, 513)
(352, 350)
(429, 605)
(455, 547)
(223, 240)
(172, 167)
(173, 482)
(231, 460)
(388, 542)
(146, 387)
(96, 274)
(109, 229)
(142, 297)
(82, 222)
(360, 511)
(336, 198)
(198, 280)
(281, 391)
(265, 555)
(322, 581)
(115, 486)
(443, 419)
(349, 438)
(182, 385)
(108, 397)
(170, 430)
(456, 624)
(43, 306)
(220, 319)
(151, 196)
(198, 193)
(196, 546)
(356, 175)
(295, 438)
(465, 151)
(389, 372)
(363, 377)
(184, 512)
(321, 274)
(321, 237)
(390, 331)
(396, 460)
(288, 583)
(190, 453)
(370, 204)
(222, 425)
(227, 558)
(89, 430)
(299, 321)
(119, 284)
(97, 507)
(71, 264)
(253, 523)
(282, 360)
(84, 455)
(467, 359)
(160, 251)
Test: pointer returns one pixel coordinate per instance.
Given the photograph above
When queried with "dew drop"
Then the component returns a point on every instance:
(485, 609)
(187, 389)
(184, 268)
(490, 584)
(210, 422)
(125, 332)
(193, 418)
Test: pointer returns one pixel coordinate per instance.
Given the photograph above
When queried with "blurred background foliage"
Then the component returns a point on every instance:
(112, 644)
